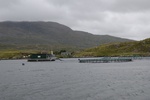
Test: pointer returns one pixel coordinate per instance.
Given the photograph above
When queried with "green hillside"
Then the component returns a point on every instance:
(137, 48)
(50, 35)
(18, 39)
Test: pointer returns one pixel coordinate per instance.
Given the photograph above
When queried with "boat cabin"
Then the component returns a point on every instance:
(42, 57)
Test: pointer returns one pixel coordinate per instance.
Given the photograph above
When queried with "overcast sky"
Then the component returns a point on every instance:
(121, 18)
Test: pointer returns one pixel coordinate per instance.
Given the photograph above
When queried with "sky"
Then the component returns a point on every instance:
(122, 18)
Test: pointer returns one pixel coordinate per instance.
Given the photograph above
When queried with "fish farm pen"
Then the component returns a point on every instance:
(105, 60)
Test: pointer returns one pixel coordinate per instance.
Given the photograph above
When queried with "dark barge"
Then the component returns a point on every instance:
(41, 57)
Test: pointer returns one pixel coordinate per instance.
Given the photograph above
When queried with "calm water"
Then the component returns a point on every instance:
(70, 80)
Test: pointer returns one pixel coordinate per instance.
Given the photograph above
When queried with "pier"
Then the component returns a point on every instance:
(105, 60)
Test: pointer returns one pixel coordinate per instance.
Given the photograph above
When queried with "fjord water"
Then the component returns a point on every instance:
(70, 80)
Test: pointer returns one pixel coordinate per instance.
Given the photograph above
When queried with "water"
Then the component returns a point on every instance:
(70, 80)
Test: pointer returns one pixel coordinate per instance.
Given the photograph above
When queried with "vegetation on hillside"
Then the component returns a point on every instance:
(137, 48)
(19, 39)
(52, 34)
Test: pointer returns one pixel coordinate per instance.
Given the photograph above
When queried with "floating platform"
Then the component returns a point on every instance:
(105, 60)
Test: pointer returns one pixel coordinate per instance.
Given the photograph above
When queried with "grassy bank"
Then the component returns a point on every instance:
(138, 48)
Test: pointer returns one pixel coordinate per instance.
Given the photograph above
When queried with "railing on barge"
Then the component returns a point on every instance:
(105, 60)
(36, 60)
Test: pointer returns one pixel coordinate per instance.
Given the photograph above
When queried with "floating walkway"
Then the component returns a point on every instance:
(105, 60)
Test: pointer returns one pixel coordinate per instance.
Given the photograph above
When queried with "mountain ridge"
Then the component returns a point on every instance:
(50, 34)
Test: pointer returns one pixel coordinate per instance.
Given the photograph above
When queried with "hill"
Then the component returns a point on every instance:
(40, 35)
(136, 48)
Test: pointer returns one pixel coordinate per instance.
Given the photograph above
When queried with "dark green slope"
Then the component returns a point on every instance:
(50, 34)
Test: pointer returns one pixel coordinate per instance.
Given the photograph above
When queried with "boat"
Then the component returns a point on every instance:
(41, 57)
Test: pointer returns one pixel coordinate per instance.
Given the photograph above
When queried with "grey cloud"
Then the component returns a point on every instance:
(131, 5)
(105, 5)
(8, 3)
